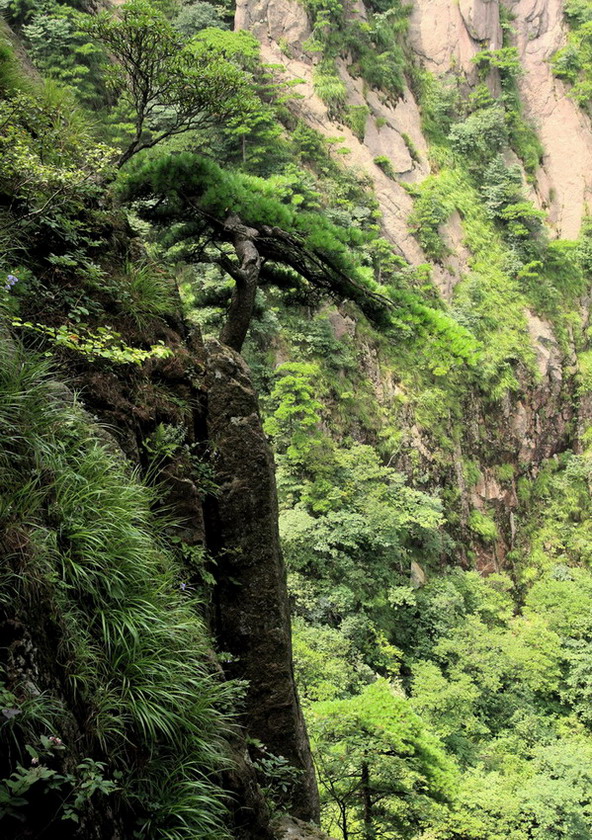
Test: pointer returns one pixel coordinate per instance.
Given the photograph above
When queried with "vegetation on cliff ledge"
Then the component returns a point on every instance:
(155, 183)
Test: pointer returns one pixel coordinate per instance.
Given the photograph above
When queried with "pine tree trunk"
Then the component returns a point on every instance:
(246, 277)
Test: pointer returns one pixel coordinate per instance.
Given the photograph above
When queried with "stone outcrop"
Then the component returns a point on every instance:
(481, 18)
(564, 184)
(289, 828)
(250, 597)
(536, 439)
(447, 35)
(210, 393)
(274, 22)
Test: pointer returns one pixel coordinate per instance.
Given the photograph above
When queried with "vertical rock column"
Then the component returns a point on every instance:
(252, 617)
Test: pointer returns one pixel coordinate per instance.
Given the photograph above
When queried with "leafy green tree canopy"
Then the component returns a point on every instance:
(171, 86)
(382, 774)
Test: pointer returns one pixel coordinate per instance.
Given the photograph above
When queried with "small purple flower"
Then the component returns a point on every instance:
(11, 280)
(183, 587)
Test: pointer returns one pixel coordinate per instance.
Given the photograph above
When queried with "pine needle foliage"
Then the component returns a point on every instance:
(187, 197)
(131, 643)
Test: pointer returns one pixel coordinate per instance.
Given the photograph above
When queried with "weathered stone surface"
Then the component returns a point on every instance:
(250, 596)
(279, 20)
(488, 489)
(386, 141)
(455, 264)
(342, 325)
(539, 422)
(448, 35)
(549, 357)
(417, 575)
(565, 183)
(481, 17)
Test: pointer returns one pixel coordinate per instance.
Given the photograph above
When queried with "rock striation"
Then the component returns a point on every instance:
(564, 183)
(446, 36)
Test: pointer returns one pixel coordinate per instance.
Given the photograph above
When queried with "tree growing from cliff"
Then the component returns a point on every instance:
(238, 222)
(170, 86)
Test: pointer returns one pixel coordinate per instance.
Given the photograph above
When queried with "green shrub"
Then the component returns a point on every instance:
(11, 75)
(504, 199)
(440, 106)
(431, 210)
(567, 63)
(386, 166)
(585, 372)
(504, 472)
(146, 291)
(60, 50)
(574, 61)
(578, 11)
(525, 141)
(506, 60)
(471, 472)
(481, 136)
(483, 526)
(411, 147)
(329, 87)
(197, 16)
(355, 117)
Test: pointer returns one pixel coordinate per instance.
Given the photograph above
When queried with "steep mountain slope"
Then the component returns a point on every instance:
(540, 417)
(564, 183)
(398, 460)
(445, 37)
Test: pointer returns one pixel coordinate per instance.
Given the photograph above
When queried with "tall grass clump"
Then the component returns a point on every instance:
(146, 292)
(129, 640)
(11, 75)
(329, 86)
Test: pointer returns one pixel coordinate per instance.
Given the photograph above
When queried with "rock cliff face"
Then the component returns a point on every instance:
(251, 598)
(447, 35)
(444, 36)
(564, 183)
